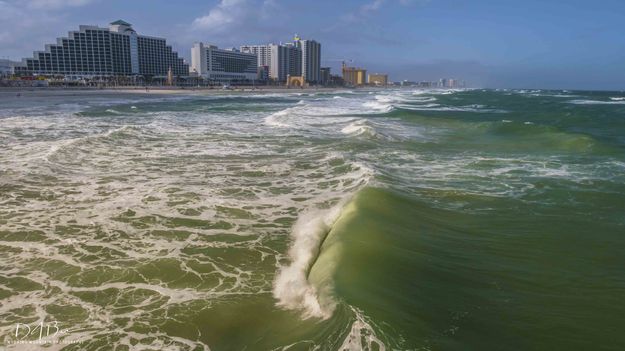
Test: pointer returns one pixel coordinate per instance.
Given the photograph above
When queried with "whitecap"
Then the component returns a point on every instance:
(597, 102)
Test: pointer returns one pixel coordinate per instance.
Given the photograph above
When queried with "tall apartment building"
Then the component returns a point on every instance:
(95, 51)
(294, 57)
(223, 65)
(299, 58)
(279, 64)
(282, 60)
(311, 59)
(261, 51)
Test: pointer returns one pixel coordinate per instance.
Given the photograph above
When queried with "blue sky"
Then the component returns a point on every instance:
(490, 43)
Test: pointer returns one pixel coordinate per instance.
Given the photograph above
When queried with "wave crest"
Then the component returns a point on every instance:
(292, 287)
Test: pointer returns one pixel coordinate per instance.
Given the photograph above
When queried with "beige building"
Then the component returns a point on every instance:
(354, 76)
(378, 79)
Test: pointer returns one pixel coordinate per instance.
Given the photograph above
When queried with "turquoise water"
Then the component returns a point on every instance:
(347, 220)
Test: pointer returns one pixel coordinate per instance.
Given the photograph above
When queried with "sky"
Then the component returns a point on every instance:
(572, 44)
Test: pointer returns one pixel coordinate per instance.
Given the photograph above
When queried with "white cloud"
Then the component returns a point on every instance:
(364, 11)
(224, 15)
(23, 30)
(55, 4)
(413, 2)
(372, 6)
(231, 14)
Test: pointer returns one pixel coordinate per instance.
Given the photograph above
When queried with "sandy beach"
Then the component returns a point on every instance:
(23, 92)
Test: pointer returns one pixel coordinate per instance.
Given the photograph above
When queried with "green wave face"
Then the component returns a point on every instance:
(402, 262)
(390, 219)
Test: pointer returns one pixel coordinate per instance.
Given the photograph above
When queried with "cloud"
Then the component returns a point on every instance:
(237, 22)
(364, 11)
(23, 30)
(25, 22)
(223, 16)
(55, 4)
(373, 6)
(356, 27)
(234, 14)
(413, 2)
(370, 8)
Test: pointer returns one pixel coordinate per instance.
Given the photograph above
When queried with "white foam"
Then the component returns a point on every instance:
(322, 114)
(375, 105)
(596, 102)
(278, 119)
(437, 107)
(359, 127)
(361, 336)
(437, 91)
(291, 287)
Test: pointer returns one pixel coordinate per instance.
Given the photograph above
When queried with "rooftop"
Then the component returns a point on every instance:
(121, 23)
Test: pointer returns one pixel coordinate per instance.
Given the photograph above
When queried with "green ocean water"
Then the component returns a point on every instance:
(348, 220)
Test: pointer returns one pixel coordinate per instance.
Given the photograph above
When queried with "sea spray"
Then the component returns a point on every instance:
(292, 287)
(305, 284)
(308, 283)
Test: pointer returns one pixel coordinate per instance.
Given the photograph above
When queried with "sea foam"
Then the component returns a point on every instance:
(291, 287)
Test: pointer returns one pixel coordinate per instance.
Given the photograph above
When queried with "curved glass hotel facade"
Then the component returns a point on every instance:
(114, 51)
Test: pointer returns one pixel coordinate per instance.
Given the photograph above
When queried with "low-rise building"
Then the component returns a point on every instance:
(336, 80)
(7, 67)
(354, 76)
(263, 73)
(324, 75)
(378, 79)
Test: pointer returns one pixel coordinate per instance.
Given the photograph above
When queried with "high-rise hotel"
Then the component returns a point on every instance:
(113, 51)
(311, 59)
(299, 58)
(223, 65)
(281, 60)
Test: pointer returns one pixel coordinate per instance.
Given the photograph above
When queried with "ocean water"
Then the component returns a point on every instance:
(348, 220)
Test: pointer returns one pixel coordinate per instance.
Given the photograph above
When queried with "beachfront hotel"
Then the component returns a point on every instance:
(223, 65)
(283, 60)
(299, 58)
(114, 51)
(311, 59)
(278, 59)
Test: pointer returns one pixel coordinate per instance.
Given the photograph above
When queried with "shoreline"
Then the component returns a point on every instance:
(172, 90)
(12, 93)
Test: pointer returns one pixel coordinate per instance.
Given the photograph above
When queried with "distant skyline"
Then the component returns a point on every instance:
(489, 43)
